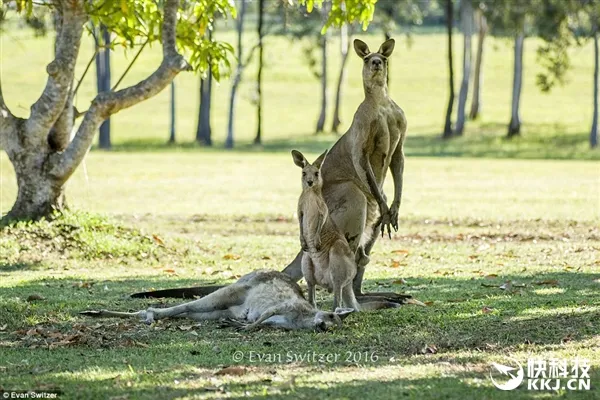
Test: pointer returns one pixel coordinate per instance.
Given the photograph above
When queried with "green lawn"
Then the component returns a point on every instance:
(468, 226)
(555, 125)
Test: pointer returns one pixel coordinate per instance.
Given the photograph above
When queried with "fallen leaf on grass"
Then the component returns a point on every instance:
(551, 282)
(35, 297)
(233, 370)
(429, 303)
(456, 300)
(429, 349)
(231, 257)
(400, 281)
(401, 251)
(169, 271)
(396, 264)
(3, 327)
(491, 276)
(158, 240)
(185, 327)
(487, 310)
(82, 284)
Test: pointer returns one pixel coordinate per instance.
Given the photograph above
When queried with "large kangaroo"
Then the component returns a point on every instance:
(355, 168)
(354, 172)
(260, 297)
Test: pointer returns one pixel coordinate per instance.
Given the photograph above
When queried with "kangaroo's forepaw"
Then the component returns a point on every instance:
(361, 258)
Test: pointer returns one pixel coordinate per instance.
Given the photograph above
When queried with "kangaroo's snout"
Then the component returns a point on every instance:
(309, 183)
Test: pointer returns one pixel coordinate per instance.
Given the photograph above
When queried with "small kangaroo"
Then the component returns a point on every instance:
(327, 259)
(260, 297)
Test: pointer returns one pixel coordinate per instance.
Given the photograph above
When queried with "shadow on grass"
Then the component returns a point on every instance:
(487, 140)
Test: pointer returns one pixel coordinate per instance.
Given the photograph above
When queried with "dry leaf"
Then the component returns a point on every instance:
(231, 257)
(185, 327)
(400, 281)
(396, 264)
(552, 282)
(266, 257)
(158, 240)
(487, 310)
(35, 297)
(491, 276)
(169, 271)
(233, 370)
(430, 348)
(400, 251)
(428, 303)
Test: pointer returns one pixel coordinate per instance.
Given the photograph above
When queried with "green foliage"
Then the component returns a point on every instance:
(132, 23)
(345, 11)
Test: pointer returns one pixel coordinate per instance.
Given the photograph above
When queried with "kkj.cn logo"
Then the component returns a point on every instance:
(507, 377)
(551, 374)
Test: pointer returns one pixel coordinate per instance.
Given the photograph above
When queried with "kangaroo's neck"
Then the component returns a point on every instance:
(375, 92)
(314, 191)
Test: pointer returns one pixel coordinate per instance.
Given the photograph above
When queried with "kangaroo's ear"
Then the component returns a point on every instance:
(299, 159)
(343, 312)
(387, 48)
(319, 161)
(361, 48)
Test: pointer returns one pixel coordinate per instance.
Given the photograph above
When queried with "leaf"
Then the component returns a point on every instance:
(158, 240)
(3, 327)
(185, 327)
(169, 271)
(491, 276)
(231, 257)
(487, 310)
(266, 257)
(551, 282)
(428, 303)
(35, 297)
(401, 251)
(429, 349)
(396, 264)
(400, 281)
(233, 370)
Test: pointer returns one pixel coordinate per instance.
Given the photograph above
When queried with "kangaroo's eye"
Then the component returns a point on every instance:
(316, 174)
(304, 174)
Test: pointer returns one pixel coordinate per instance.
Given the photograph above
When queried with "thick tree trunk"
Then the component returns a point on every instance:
(345, 47)
(514, 128)
(323, 112)
(467, 27)
(449, 21)
(238, 74)
(478, 78)
(173, 110)
(103, 82)
(261, 14)
(594, 130)
(39, 194)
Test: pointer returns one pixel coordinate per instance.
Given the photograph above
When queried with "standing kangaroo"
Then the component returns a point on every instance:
(260, 297)
(354, 172)
(327, 259)
(355, 168)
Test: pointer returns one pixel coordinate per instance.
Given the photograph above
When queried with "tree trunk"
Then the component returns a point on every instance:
(203, 130)
(388, 35)
(594, 130)
(39, 194)
(323, 112)
(103, 79)
(172, 131)
(449, 21)
(238, 74)
(514, 128)
(478, 78)
(261, 14)
(467, 27)
(345, 47)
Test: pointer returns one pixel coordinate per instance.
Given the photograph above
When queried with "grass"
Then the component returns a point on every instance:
(555, 125)
(167, 217)
(181, 218)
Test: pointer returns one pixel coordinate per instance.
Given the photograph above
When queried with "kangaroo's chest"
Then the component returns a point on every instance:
(387, 131)
(314, 213)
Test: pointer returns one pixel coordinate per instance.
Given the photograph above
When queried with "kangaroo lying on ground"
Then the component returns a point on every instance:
(260, 297)
(354, 173)
(327, 259)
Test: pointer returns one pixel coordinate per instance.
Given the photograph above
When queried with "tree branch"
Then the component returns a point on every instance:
(46, 110)
(108, 103)
(6, 121)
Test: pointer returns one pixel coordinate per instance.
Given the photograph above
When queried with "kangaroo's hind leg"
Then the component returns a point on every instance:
(216, 303)
(308, 270)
